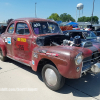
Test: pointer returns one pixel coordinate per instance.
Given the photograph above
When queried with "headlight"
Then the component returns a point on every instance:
(78, 59)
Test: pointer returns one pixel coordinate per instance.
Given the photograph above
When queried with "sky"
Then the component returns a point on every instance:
(44, 8)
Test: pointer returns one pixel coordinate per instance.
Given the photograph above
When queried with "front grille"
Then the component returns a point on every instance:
(89, 61)
(95, 55)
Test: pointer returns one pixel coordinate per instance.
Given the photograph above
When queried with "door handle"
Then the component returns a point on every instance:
(14, 38)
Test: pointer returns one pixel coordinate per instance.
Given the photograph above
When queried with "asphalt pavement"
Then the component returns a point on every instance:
(20, 82)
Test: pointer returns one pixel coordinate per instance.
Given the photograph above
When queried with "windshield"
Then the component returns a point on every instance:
(89, 35)
(45, 27)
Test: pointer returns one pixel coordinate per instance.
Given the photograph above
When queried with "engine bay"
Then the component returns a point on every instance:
(56, 40)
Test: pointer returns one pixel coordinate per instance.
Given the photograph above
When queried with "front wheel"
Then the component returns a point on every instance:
(52, 77)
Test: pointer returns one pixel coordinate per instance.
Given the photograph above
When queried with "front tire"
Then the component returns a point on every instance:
(52, 77)
(2, 57)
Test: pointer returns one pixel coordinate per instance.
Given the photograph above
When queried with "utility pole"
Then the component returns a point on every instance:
(92, 13)
(35, 9)
(76, 14)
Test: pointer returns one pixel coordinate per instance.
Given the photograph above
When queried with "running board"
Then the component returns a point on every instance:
(19, 61)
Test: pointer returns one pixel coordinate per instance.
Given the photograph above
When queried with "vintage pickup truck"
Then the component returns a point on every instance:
(40, 43)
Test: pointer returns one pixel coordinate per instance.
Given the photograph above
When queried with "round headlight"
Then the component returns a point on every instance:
(78, 59)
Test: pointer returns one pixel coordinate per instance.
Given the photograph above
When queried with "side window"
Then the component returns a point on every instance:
(22, 29)
(11, 29)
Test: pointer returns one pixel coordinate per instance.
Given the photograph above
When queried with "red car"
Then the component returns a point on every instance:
(40, 43)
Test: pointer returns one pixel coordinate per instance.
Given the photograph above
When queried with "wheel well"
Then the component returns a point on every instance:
(0, 50)
(42, 62)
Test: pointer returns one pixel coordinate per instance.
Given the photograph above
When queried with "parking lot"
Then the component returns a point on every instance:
(20, 82)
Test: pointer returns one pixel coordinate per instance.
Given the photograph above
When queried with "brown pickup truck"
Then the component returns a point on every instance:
(40, 43)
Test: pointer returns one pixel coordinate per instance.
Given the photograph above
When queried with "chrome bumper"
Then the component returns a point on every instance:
(93, 67)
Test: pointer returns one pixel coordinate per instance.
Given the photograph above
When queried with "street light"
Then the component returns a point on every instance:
(35, 9)
(92, 12)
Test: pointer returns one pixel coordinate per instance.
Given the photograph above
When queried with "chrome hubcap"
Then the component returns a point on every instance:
(51, 77)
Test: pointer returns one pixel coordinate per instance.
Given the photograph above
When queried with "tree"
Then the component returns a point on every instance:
(88, 19)
(63, 17)
(95, 19)
(9, 20)
(54, 16)
(66, 17)
(82, 19)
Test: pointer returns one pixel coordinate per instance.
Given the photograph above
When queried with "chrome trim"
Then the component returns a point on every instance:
(79, 54)
(92, 63)
(81, 70)
(95, 60)
(91, 59)
(19, 61)
(95, 68)
(85, 70)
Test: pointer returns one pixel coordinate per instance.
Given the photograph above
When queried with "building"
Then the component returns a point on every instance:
(4, 24)
(83, 24)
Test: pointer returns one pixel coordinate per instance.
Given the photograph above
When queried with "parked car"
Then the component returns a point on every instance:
(97, 32)
(84, 35)
(2, 29)
(40, 43)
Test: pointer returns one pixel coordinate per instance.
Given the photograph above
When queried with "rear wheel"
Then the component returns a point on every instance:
(2, 57)
(52, 77)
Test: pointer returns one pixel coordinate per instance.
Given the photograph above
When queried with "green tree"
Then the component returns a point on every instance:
(82, 19)
(88, 19)
(54, 16)
(95, 19)
(66, 17)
